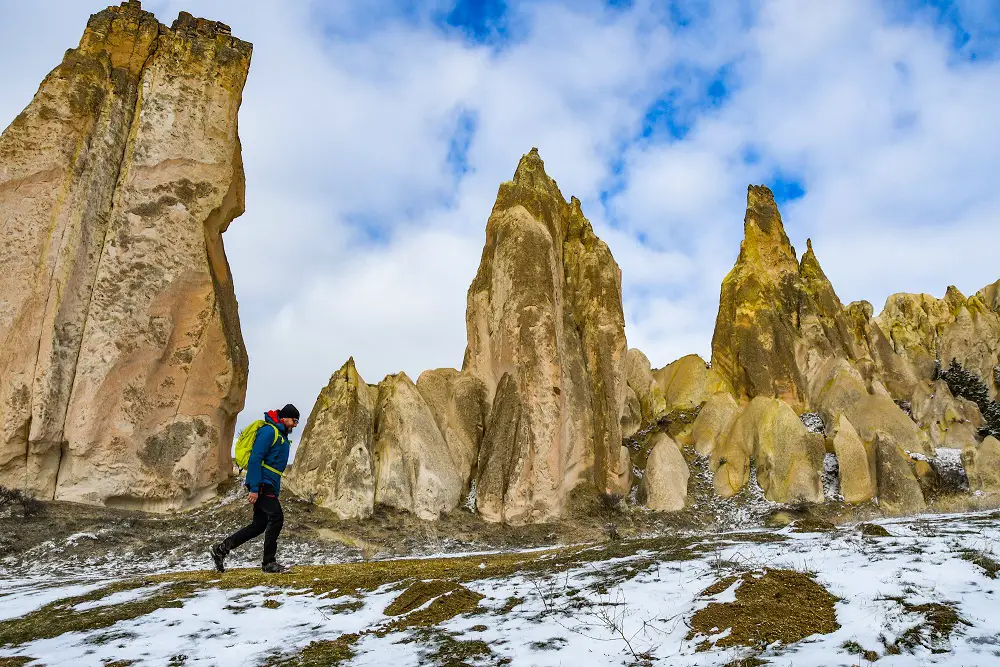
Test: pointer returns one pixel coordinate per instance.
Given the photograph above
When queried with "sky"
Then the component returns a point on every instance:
(376, 132)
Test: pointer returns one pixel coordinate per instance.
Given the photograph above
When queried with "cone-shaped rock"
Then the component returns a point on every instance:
(414, 468)
(781, 324)
(545, 310)
(333, 464)
(120, 346)
(755, 332)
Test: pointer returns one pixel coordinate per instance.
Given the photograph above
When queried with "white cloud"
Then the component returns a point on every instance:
(360, 238)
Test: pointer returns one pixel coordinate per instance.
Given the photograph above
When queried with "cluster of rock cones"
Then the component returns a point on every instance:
(124, 366)
(549, 391)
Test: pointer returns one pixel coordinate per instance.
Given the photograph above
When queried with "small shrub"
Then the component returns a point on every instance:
(14, 503)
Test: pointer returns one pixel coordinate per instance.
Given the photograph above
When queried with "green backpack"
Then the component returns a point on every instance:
(244, 444)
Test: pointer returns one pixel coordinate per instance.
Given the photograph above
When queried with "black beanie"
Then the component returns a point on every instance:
(289, 411)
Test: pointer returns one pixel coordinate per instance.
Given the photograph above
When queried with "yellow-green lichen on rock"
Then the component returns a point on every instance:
(788, 458)
(923, 328)
(780, 322)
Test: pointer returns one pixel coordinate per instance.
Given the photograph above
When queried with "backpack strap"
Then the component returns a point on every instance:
(277, 434)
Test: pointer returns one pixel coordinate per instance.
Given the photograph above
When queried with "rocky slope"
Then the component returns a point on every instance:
(120, 347)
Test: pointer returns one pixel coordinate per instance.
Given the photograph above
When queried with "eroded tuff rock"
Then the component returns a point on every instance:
(712, 422)
(899, 490)
(787, 456)
(639, 376)
(950, 422)
(334, 465)
(781, 323)
(872, 415)
(923, 328)
(414, 469)
(545, 311)
(664, 482)
(458, 402)
(982, 465)
(120, 348)
(856, 461)
(687, 383)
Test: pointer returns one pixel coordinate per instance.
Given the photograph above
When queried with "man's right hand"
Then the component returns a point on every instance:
(252, 497)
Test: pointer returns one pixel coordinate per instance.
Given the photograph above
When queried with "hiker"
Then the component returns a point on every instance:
(265, 465)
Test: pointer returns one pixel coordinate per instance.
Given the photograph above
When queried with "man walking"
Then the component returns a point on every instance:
(267, 462)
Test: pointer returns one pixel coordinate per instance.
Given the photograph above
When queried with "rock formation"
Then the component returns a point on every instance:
(899, 491)
(924, 329)
(334, 466)
(120, 347)
(414, 469)
(713, 422)
(780, 322)
(982, 465)
(458, 402)
(687, 383)
(545, 309)
(548, 389)
(856, 460)
(664, 484)
(787, 456)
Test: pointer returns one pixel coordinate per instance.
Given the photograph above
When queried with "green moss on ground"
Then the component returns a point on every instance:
(873, 530)
(770, 606)
(329, 653)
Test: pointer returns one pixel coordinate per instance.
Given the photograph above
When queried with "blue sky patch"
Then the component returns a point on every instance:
(461, 139)
(786, 187)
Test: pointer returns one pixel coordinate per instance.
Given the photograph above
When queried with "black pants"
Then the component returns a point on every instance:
(268, 519)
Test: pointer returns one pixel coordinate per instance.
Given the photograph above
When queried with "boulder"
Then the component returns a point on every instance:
(639, 376)
(950, 422)
(789, 459)
(545, 308)
(333, 465)
(982, 465)
(856, 462)
(712, 422)
(687, 383)
(664, 483)
(899, 490)
(414, 469)
(458, 402)
(123, 362)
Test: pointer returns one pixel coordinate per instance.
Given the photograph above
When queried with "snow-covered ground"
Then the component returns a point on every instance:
(633, 609)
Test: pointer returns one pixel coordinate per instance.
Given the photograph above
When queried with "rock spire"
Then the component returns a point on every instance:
(120, 344)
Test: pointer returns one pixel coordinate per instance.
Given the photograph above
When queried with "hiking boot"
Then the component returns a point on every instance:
(274, 567)
(219, 556)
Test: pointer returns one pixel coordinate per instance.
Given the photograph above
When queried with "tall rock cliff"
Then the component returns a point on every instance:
(120, 345)
(546, 336)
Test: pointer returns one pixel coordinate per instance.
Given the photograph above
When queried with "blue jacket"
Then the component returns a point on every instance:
(267, 450)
